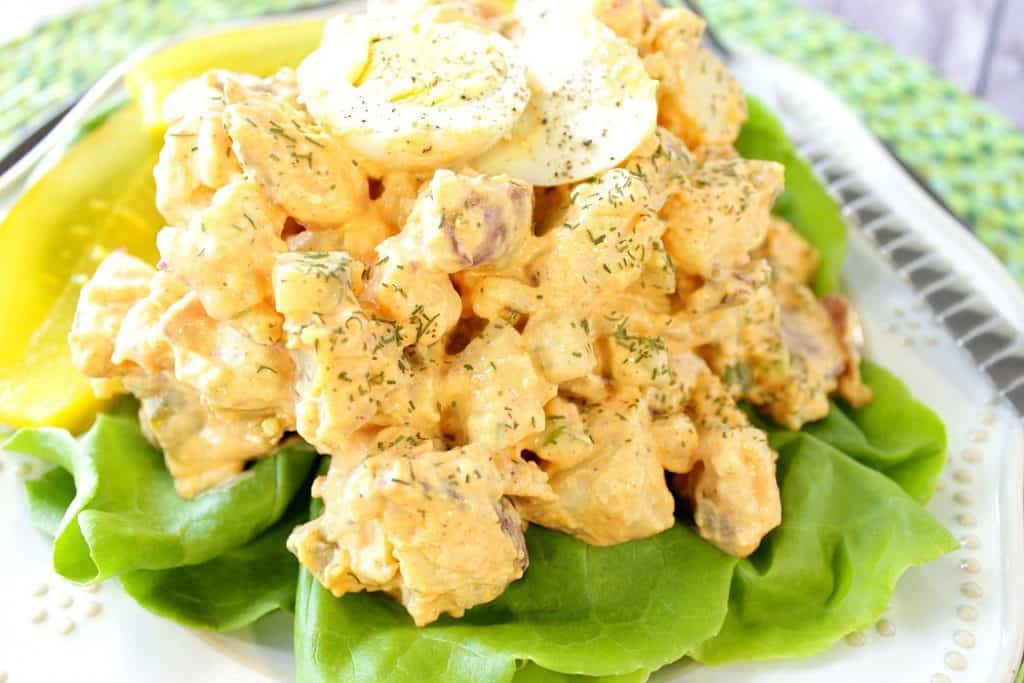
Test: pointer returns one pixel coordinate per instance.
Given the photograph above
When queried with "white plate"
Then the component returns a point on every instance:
(960, 619)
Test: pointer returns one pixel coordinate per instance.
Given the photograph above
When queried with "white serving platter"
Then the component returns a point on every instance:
(938, 310)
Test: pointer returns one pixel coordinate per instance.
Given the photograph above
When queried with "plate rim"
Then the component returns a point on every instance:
(988, 270)
(986, 276)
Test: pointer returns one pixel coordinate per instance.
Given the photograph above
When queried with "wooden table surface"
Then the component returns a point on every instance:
(977, 44)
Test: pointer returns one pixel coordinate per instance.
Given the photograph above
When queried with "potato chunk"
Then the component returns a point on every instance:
(462, 221)
(735, 497)
(601, 242)
(196, 158)
(230, 371)
(565, 441)
(119, 283)
(560, 344)
(227, 252)
(790, 255)
(202, 448)
(458, 222)
(777, 346)
(706, 106)
(141, 340)
(309, 174)
(722, 214)
(347, 359)
(617, 492)
(847, 327)
(630, 19)
(494, 394)
(698, 99)
(430, 527)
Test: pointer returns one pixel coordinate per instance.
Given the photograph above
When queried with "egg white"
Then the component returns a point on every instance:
(592, 103)
(413, 95)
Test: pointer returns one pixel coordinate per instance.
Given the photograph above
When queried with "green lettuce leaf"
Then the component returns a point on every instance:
(579, 609)
(126, 515)
(848, 532)
(894, 434)
(233, 589)
(805, 203)
(222, 594)
(531, 673)
(852, 524)
(49, 497)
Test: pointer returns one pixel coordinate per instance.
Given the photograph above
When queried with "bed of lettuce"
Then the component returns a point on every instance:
(852, 485)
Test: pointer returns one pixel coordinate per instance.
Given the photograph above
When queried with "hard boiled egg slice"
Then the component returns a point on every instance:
(592, 102)
(411, 95)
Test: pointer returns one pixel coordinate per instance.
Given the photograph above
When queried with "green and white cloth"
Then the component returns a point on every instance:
(971, 155)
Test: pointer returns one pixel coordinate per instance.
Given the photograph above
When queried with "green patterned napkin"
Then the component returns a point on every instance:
(44, 70)
(972, 156)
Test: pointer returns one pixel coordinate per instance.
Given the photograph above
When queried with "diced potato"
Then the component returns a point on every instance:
(735, 497)
(789, 254)
(698, 99)
(617, 492)
(495, 393)
(722, 214)
(428, 526)
(120, 282)
(560, 344)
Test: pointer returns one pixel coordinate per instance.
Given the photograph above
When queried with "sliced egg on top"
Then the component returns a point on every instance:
(591, 105)
(413, 95)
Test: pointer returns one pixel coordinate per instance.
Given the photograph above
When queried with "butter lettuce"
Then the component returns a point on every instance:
(531, 673)
(126, 515)
(579, 609)
(233, 589)
(848, 532)
(894, 434)
(223, 594)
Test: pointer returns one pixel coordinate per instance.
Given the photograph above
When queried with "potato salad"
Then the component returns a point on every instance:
(503, 266)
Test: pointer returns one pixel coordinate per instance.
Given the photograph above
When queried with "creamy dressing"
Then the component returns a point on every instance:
(474, 352)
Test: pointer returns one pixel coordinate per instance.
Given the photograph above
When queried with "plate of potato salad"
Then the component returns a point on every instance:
(481, 341)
